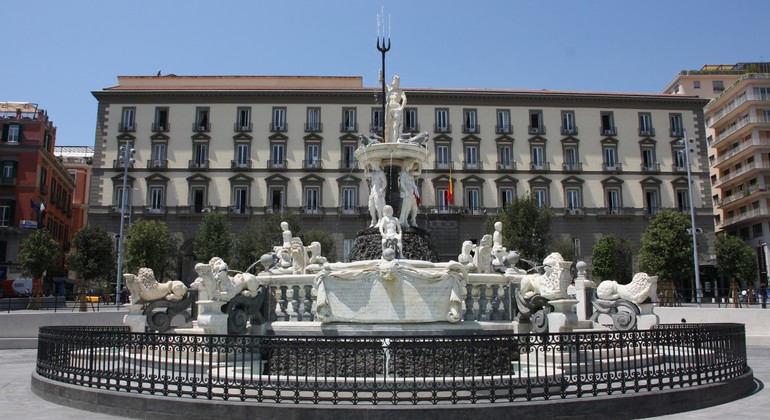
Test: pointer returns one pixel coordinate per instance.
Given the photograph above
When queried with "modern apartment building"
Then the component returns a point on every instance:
(35, 189)
(249, 146)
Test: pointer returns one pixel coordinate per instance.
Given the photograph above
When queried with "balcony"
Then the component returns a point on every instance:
(572, 167)
(446, 209)
(242, 209)
(676, 132)
(118, 164)
(648, 132)
(278, 126)
(739, 195)
(277, 165)
(350, 210)
(540, 166)
(506, 166)
(126, 127)
(612, 168)
(348, 127)
(442, 128)
(155, 210)
(348, 164)
(738, 126)
(676, 168)
(312, 210)
(157, 164)
(442, 166)
(751, 214)
(201, 127)
(650, 168)
(312, 127)
(740, 172)
(504, 129)
(569, 131)
(536, 130)
(412, 128)
(161, 127)
(8, 180)
(240, 164)
(313, 164)
(574, 211)
(609, 131)
(243, 127)
(198, 164)
(375, 128)
(473, 166)
(471, 128)
(742, 147)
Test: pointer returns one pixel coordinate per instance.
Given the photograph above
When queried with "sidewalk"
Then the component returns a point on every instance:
(18, 402)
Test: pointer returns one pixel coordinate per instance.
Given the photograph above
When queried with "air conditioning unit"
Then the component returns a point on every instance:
(534, 130)
(608, 132)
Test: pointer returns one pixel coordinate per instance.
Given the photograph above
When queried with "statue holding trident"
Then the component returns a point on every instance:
(396, 103)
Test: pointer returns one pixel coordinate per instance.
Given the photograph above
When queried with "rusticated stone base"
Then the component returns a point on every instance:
(416, 244)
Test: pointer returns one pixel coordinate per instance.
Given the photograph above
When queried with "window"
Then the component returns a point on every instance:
(311, 199)
(240, 200)
(200, 156)
(7, 208)
(648, 160)
(506, 196)
(9, 173)
(568, 123)
(573, 198)
(158, 158)
(541, 197)
(610, 158)
(472, 200)
(571, 158)
(349, 199)
(46, 141)
(538, 158)
(198, 199)
(696, 84)
(677, 130)
(608, 124)
(349, 120)
(503, 122)
(442, 199)
(279, 120)
(313, 121)
(505, 157)
(13, 134)
(313, 155)
(680, 160)
(718, 85)
(119, 197)
(242, 158)
(156, 199)
(470, 123)
(756, 230)
(278, 156)
(762, 93)
(161, 120)
(410, 120)
(442, 121)
(536, 122)
(471, 157)
(682, 199)
(442, 157)
(43, 180)
(243, 119)
(377, 121)
(276, 198)
(645, 124)
(651, 201)
(127, 123)
(613, 200)
(202, 122)
(348, 156)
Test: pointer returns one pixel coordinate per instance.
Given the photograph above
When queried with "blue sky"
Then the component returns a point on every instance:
(56, 52)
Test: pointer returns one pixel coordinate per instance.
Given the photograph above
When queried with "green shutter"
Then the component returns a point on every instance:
(5, 132)
(20, 127)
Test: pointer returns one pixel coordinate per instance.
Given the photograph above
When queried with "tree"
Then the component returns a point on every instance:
(213, 238)
(328, 248)
(38, 254)
(259, 238)
(611, 259)
(526, 228)
(149, 244)
(735, 260)
(245, 249)
(667, 248)
(565, 248)
(92, 257)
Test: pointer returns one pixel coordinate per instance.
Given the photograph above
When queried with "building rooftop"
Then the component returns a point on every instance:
(74, 151)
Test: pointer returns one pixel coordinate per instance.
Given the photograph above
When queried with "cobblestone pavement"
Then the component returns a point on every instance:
(18, 402)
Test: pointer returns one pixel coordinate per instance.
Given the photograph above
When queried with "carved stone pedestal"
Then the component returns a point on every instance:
(646, 319)
(135, 319)
(563, 317)
(211, 319)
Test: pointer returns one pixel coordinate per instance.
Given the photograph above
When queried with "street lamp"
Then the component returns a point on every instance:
(127, 160)
(693, 230)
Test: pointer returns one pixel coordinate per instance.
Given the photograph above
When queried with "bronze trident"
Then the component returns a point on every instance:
(383, 49)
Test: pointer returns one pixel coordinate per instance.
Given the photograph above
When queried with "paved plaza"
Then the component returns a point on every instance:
(18, 402)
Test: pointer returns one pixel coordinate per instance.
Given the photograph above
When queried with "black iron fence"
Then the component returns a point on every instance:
(482, 368)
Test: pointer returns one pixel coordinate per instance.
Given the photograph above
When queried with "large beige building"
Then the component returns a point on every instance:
(249, 146)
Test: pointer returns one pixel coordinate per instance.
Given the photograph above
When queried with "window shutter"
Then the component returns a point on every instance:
(20, 129)
(5, 132)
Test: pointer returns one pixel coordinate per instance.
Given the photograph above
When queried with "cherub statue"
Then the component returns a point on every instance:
(390, 229)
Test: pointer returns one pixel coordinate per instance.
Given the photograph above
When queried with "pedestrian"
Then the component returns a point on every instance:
(763, 293)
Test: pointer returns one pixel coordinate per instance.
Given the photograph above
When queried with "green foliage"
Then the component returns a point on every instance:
(565, 248)
(149, 244)
(526, 228)
(93, 254)
(213, 238)
(38, 253)
(611, 259)
(259, 238)
(667, 248)
(735, 260)
(328, 247)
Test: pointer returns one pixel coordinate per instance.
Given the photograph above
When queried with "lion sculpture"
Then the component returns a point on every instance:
(144, 288)
(228, 287)
(641, 288)
(553, 283)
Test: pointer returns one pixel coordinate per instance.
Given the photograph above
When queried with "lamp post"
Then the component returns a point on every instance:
(127, 160)
(693, 230)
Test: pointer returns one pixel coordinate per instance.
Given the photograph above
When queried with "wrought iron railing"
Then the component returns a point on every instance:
(405, 370)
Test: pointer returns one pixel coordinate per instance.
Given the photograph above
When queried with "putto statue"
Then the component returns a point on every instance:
(390, 230)
(642, 288)
(144, 288)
